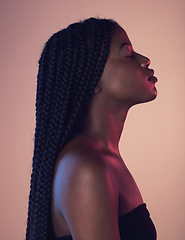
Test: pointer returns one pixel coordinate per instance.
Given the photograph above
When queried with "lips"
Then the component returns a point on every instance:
(151, 77)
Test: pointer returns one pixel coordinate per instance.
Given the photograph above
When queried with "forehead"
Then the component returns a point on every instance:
(118, 38)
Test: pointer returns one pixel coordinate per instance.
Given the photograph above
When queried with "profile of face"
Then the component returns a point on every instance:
(126, 76)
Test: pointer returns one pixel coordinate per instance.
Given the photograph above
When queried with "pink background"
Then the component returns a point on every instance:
(153, 141)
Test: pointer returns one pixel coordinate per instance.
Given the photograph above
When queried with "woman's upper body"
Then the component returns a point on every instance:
(80, 185)
(92, 186)
(91, 189)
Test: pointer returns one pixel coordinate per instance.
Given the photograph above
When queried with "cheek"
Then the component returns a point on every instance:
(118, 73)
(122, 79)
(114, 79)
(128, 71)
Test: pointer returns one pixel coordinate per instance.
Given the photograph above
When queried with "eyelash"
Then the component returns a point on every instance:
(123, 51)
(130, 56)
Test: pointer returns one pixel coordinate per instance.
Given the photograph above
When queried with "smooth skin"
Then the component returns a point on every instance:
(92, 186)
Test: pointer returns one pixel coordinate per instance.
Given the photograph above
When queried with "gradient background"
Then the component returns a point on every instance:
(152, 143)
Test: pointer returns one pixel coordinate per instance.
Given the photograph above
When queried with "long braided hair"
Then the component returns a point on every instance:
(70, 67)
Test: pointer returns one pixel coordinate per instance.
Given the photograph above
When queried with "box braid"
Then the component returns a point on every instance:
(70, 67)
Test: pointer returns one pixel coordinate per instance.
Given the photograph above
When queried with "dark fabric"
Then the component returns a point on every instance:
(135, 225)
(64, 238)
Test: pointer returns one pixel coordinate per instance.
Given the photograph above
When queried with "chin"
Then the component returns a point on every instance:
(151, 96)
(146, 99)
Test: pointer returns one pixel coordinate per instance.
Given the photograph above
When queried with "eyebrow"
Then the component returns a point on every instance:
(123, 45)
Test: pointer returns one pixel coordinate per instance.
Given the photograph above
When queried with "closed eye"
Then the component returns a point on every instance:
(122, 51)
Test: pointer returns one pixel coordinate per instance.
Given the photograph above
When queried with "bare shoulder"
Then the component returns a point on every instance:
(79, 165)
(85, 193)
(81, 155)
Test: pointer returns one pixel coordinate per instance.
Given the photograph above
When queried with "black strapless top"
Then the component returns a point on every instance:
(135, 225)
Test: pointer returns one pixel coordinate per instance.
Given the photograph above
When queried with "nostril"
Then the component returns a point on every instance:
(147, 62)
(143, 61)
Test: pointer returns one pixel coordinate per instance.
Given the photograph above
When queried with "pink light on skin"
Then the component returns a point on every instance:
(152, 78)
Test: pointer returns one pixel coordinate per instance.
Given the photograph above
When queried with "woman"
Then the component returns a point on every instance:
(89, 77)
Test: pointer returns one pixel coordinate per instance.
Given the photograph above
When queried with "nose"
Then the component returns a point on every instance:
(143, 61)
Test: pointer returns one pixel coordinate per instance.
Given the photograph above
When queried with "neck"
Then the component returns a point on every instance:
(105, 125)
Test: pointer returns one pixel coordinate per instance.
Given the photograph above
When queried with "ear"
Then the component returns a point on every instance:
(98, 88)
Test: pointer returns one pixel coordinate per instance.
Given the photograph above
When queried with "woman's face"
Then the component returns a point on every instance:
(126, 75)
